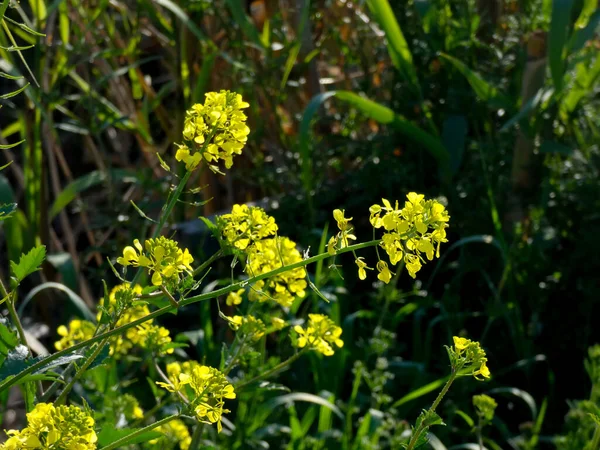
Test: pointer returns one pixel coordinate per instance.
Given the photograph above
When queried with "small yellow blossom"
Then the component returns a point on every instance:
(248, 325)
(216, 131)
(161, 256)
(234, 298)
(204, 386)
(77, 331)
(49, 427)
(467, 353)
(319, 335)
(344, 236)
(384, 272)
(362, 265)
(277, 323)
(416, 229)
(267, 255)
(174, 433)
(245, 225)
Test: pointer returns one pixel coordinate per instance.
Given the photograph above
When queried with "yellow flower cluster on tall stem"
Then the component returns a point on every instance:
(204, 386)
(416, 229)
(467, 353)
(214, 131)
(54, 427)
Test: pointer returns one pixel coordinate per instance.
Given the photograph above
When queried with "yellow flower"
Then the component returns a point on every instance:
(384, 272)
(483, 371)
(216, 131)
(270, 254)
(415, 230)
(343, 238)
(49, 426)
(362, 273)
(461, 343)
(248, 325)
(320, 333)
(204, 386)
(467, 353)
(234, 298)
(245, 225)
(77, 331)
(277, 323)
(161, 256)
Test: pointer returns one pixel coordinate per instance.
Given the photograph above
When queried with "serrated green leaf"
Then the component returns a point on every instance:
(29, 263)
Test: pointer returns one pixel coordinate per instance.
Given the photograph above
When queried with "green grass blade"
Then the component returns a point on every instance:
(484, 90)
(397, 46)
(559, 33)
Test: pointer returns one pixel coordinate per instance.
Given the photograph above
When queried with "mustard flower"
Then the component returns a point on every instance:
(205, 387)
(77, 331)
(344, 236)
(415, 230)
(467, 353)
(384, 274)
(278, 324)
(54, 427)
(271, 254)
(319, 335)
(245, 225)
(234, 297)
(362, 265)
(248, 325)
(175, 433)
(216, 131)
(161, 256)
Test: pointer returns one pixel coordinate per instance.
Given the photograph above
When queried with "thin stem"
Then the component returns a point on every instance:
(129, 437)
(169, 296)
(480, 433)
(596, 439)
(208, 262)
(443, 392)
(268, 373)
(165, 215)
(195, 443)
(17, 322)
(63, 395)
(166, 309)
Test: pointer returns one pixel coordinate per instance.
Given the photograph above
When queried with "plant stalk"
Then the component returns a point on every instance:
(129, 437)
(268, 373)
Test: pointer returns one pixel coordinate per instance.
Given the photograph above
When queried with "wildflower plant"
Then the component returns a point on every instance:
(265, 299)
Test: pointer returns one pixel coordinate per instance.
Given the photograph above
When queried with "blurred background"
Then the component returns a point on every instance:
(491, 106)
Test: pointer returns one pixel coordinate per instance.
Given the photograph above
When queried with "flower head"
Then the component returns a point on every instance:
(485, 407)
(205, 387)
(49, 426)
(161, 256)
(468, 353)
(248, 325)
(319, 335)
(413, 233)
(270, 254)
(245, 225)
(344, 236)
(216, 131)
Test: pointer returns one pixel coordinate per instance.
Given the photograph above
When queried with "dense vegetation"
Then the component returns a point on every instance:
(487, 108)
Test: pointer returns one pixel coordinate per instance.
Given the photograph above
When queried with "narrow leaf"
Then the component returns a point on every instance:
(559, 33)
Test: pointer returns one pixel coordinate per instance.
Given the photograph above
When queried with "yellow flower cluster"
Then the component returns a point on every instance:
(147, 335)
(205, 386)
(50, 427)
(248, 325)
(469, 353)
(245, 225)
(344, 236)
(417, 228)
(161, 256)
(216, 131)
(319, 335)
(271, 254)
(175, 433)
(234, 297)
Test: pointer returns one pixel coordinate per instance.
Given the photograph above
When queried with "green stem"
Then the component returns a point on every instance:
(165, 215)
(195, 444)
(15, 318)
(63, 395)
(166, 309)
(129, 437)
(443, 392)
(268, 373)
(596, 439)
(208, 262)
